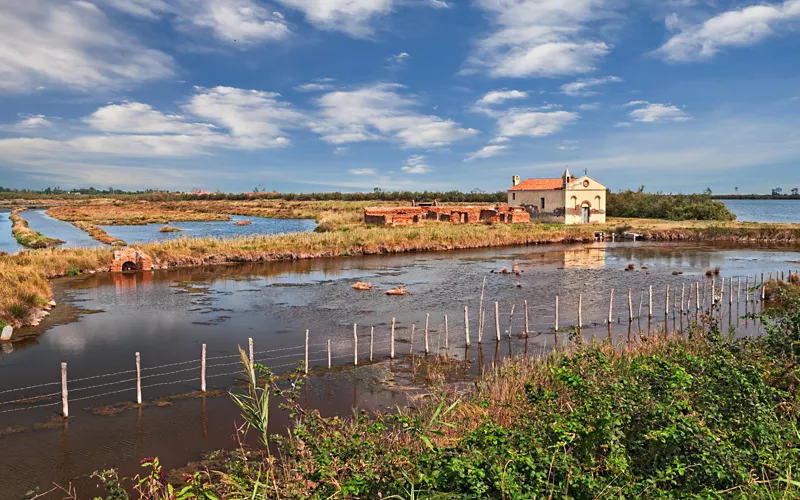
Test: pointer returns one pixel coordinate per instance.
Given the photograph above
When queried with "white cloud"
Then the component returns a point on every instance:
(735, 28)
(416, 165)
(361, 171)
(486, 152)
(568, 145)
(649, 112)
(71, 44)
(237, 22)
(380, 112)
(534, 123)
(138, 118)
(255, 119)
(500, 140)
(33, 122)
(399, 58)
(795, 98)
(499, 97)
(541, 38)
(583, 87)
(439, 4)
(589, 106)
(353, 17)
(314, 87)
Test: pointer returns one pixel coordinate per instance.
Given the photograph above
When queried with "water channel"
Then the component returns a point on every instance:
(103, 319)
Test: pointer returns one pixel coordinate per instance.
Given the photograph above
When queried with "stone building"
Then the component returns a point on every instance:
(403, 216)
(567, 200)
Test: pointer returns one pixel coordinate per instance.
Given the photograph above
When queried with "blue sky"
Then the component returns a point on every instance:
(318, 95)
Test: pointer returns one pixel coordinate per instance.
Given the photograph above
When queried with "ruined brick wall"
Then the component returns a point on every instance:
(402, 216)
(140, 260)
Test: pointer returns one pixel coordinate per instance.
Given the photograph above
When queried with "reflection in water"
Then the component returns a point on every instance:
(167, 315)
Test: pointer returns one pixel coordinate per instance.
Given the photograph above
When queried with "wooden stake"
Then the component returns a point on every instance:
(738, 289)
(480, 312)
(497, 320)
(641, 303)
(446, 334)
(630, 306)
(511, 320)
(371, 340)
(747, 289)
(64, 394)
(526, 318)
(650, 303)
(610, 306)
(666, 302)
(411, 344)
(252, 364)
(697, 297)
(203, 369)
(329, 354)
(730, 292)
(306, 356)
(138, 379)
(556, 328)
(683, 294)
(355, 345)
(466, 324)
(391, 342)
(427, 316)
(580, 310)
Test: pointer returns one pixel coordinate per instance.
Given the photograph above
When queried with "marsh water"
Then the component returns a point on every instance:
(784, 211)
(166, 316)
(8, 243)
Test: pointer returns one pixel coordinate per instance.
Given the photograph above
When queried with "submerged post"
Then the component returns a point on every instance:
(630, 306)
(611, 306)
(355, 345)
(556, 329)
(411, 344)
(446, 334)
(511, 320)
(466, 324)
(580, 310)
(138, 379)
(683, 295)
(329, 354)
(650, 303)
(427, 317)
(497, 320)
(252, 365)
(64, 395)
(526, 318)
(391, 341)
(306, 356)
(203, 369)
(371, 340)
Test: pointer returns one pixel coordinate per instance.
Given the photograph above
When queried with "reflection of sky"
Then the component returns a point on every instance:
(7, 241)
(216, 229)
(54, 228)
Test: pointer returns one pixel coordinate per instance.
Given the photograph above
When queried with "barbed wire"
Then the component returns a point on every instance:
(23, 400)
(29, 407)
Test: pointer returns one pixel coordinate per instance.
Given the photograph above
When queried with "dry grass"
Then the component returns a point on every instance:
(27, 236)
(98, 233)
(131, 213)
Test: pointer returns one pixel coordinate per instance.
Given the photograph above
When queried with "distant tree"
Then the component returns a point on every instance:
(707, 191)
(736, 189)
(477, 191)
(794, 191)
(377, 190)
(777, 191)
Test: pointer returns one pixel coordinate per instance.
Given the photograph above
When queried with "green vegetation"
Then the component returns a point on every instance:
(681, 207)
(706, 416)
(27, 236)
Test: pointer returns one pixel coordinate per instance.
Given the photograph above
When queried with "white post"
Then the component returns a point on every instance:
(738, 289)
(252, 365)
(138, 379)
(391, 342)
(747, 289)
(427, 317)
(630, 306)
(64, 395)
(497, 320)
(446, 333)
(683, 295)
(556, 313)
(329, 354)
(580, 310)
(203, 369)
(480, 312)
(610, 306)
(306, 357)
(355, 345)
(511, 320)
(411, 344)
(697, 296)
(371, 340)
(641, 303)
(466, 324)
(526, 318)
(650, 303)
(730, 292)
(666, 302)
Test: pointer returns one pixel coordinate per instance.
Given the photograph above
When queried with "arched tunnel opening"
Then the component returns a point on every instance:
(129, 266)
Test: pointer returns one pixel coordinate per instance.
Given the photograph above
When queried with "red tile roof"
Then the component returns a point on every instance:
(539, 185)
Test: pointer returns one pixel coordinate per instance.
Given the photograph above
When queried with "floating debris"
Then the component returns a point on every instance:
(245, 222)
(630, 267)
(168, 229)
(363, 286)
(400, 290)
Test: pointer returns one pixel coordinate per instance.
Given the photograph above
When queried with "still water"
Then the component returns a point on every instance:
(765, 210)
(103, 319)
(8, 243)
(51, 227)
(214, 229)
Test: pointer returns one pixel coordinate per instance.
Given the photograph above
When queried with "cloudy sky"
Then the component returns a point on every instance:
(312, 95)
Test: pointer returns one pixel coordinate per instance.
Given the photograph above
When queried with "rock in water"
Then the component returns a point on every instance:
(7, 331)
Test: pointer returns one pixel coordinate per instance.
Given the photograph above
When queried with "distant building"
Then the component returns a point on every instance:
(403, 216)
(568, 200)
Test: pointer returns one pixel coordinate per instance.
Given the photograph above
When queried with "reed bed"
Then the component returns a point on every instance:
(98, 233)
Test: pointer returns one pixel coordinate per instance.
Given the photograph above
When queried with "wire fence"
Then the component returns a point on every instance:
(306, 355)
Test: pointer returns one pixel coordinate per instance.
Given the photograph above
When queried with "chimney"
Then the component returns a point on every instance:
(514, 180)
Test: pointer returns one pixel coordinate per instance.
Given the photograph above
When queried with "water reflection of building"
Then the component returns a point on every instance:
(587, 257)
(130, 281)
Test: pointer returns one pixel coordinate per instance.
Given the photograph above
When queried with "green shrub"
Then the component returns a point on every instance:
(638, 204)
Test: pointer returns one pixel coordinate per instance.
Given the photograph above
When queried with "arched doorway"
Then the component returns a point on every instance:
(586, 211)
(129, 266)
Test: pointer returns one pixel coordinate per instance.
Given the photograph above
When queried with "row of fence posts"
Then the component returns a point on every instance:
(716, 296)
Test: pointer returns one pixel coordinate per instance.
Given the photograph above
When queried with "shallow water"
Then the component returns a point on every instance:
(7, 241)
(167, 315)
(215, 229)
(51, 227)
(765, 210)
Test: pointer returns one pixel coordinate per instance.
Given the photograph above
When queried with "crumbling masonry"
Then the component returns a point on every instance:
(403, 216)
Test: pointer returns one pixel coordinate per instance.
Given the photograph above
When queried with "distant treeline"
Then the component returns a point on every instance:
(638, 204)
(757, 197)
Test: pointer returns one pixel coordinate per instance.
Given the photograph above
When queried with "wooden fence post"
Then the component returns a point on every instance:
(466, 324)
(391, 342)
(650, 303)
(355, 345)
(497, 320)
(556, 325)
(252, 362)
(511, 320)
(527, 329)
(64, 395)
(138, 379)
(446, 334)
(666, 302)
(611, 306)
(329, 354)
(427, 317)
(372, 340)
(697, 296)
(480, 312)
(580, 311)
(203, 369)
(306, 356)
(630, 306)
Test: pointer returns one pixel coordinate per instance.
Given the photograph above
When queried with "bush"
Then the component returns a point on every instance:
(638, 204)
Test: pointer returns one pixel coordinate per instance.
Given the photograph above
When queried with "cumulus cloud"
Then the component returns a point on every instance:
(650, 112)
(534, 123)
(381, 112)
(399, 58)
(240, 22)
(354, 17)
(499, 97)
(416, 165)
(735, 28)
(541, 38)
(316, 85)
(583, 87)
(71, 44)
(486, 152)
(32, 122)
(439, 4)
(139, 118)
(361, 171)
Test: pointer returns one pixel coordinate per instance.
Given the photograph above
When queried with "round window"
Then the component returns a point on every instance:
(585, 184)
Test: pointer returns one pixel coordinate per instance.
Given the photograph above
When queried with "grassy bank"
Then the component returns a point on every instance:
(699, 417)
(27, 236)
(98, 233)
